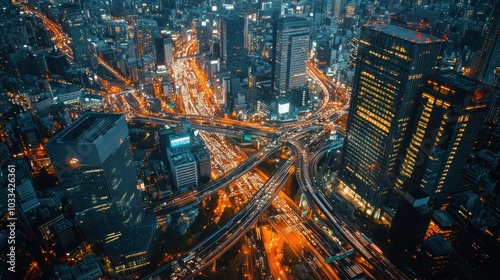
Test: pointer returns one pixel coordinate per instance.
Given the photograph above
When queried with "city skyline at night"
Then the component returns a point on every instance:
(205, 139)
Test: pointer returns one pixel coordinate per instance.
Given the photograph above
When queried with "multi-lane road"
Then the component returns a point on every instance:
(325, 209)
(207, 251)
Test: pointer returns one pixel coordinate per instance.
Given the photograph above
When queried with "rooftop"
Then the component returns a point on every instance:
(201, 153)
(138, 240)
(405, 34)
(461, 81)
(62, 225)
(88, 264)
(437, 245)
(443, 218)
(182, 158)
(488, 155)
(87, 128)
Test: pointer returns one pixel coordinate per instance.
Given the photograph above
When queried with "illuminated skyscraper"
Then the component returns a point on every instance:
(93, 162)
(291, 47)
(488, 57)
(203, 35)
(145, 31)
(449, 115)
(163, 51)
(392, 65)
(74, 20)
(232, 45)
(80, 47)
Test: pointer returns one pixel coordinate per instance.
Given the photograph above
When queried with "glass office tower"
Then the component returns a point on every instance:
(145, 32)
(93, 162)
(291, 48)
(392, 65)
(232, 45)
(74, 21)
(449, 115)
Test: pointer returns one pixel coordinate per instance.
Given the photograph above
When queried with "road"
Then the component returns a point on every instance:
(325, 209)
(61, 40)
(207, 251)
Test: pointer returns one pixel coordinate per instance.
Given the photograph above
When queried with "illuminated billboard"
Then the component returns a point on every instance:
(283, 108)
(176, 142)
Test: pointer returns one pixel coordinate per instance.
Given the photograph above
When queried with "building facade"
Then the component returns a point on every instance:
(449, 115)
(392, 65)
(145, 32)
(232, 45)
(93, 162)
(290, 52)
(488, 57)
(74, 20)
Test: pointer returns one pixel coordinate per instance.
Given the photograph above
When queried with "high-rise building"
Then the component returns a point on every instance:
(186, 156)
(5, 104)
(163, 51)
(93, 162)
(338, 6)
(433, 256)
(449, 115)
(232, 48)
(145, 31)
(392, 65)
(56, 62)
(181, 162)
(493, 116)
(117, 29)
(75, 25)
(27, 195)
(32, 65)
(79, 37)
(184, 170)
(247, 34)
(291, 47)
(488, 57)
(411, 221)
(203, 35)
(443, 223)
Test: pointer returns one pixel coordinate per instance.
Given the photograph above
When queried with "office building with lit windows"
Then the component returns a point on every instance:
(145, 32)
(449, 115)
(488, 57)
(232, 45)
(76, 27)
(163, 52)
(290, 51)
(392, 65)
(93, 161)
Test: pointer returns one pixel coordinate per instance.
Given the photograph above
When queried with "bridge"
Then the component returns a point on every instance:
(188, 56)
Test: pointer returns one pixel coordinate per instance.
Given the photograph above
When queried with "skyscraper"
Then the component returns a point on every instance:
(392, 65)
(338, 6)
(488, 57)
(79, 36)
(163, 51)
(412, 218)
(5, 104)
(232, 49)
(74, 20)
(145, 31)
(203, 35)
(290, 50)
(93, 162)
(449, 115)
